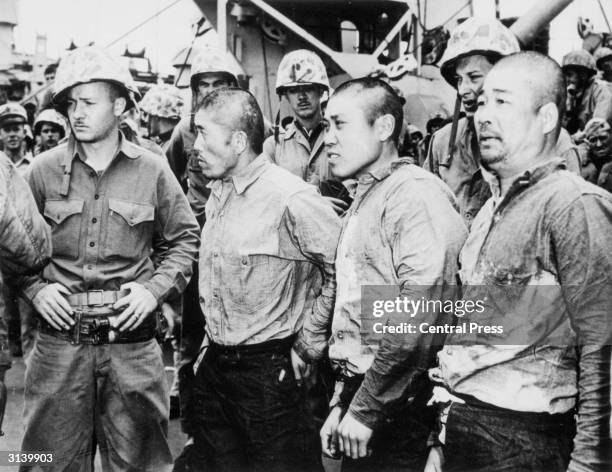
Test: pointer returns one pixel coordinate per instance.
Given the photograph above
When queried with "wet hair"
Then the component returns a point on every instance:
(544, 77)
(379, 99)
(240, 111)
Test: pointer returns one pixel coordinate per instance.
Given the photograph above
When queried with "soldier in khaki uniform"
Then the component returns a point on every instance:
(164, 106)
(51, 127)
(475, 46)
(302, 81)
(96, 373)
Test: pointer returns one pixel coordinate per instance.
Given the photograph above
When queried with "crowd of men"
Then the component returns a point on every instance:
(256, 249)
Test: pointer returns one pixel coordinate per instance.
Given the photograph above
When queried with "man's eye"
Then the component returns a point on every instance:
(500, 101)
(480, 102)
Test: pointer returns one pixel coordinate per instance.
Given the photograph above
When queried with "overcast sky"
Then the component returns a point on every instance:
(103, 21)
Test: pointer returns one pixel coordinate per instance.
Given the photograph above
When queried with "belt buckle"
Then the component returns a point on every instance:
(93, 302)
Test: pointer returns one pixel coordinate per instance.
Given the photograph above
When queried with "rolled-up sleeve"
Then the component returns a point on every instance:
(315, 229)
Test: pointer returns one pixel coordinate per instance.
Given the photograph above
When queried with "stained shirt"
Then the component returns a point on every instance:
(403, 229)
(542, 255)
(462, 171)
(266, 270)
(103, 225)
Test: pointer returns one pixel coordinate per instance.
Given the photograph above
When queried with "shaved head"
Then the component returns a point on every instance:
(238, 110)
(541, 75)
(377, 99)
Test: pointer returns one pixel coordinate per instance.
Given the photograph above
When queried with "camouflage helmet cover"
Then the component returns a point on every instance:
(50, 116)
(488, 37)
(579, 59)
(164, 101)
(212, 60)
(301, 67)
(601, 54)
(93, 64)
(13, 112)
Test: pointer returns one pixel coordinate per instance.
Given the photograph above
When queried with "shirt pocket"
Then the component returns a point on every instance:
(65, 217)
(254, 282)
(129, 229)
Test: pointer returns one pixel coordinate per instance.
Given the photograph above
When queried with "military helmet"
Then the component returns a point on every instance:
(301, 67)
(601, 55)
(579, 59)
(93, 64)
(12, 112)
(50, 116)
(164, 101)
(212, 60)
(488, 37)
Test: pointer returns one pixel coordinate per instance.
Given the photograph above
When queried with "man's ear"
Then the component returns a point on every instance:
(240, 143)
(119, 106)
(385, 125)
(549, 117)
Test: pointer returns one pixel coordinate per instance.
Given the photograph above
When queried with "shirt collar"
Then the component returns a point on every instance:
(126, 148)
(25, 159)
(528, 178)
(375, 176)
(246, 178)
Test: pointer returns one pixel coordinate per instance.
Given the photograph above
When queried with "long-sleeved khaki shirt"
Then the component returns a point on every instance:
(103, 225)
(267, 265)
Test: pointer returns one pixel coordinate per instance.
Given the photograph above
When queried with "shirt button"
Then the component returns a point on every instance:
(201, 299)
(96, 196)
(94, 220)
(340, 335)
(90, 267)
(215, 254)
(449, 351)
(92, 244)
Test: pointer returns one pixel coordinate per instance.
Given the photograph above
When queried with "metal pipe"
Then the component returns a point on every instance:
(530, 23)
(222, 24)
(398, 26)
(603, 12)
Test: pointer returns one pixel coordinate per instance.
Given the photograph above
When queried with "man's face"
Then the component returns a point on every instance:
(606, 68)
(211, 81)
(600, 144)
(506, 120)
(12, 136)
(216, 155)
(576, 81)
(305, 100)
(49, 135)
(92, 112)
(470, 74)
(50, 77)
(351, 142)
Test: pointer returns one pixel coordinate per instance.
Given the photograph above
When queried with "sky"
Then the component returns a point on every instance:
(103, 21)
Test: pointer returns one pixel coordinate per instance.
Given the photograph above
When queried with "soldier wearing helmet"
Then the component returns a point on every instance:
(13, 121)
(163, 105)
(50, 127)
(603, 61)
(302, 81)
(587, 96)
(96, 366)
(210, 70)
(474, 47)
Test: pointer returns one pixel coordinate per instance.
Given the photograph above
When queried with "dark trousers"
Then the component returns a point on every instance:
(400, 445)
(481, 437)
(248, 412)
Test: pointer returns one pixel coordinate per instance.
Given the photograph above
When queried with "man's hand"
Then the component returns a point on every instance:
(353, 437)
(139, 302)
(53, 306)
(339, 206)
(301, 369)
(329, 432)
